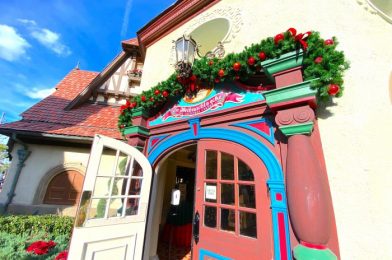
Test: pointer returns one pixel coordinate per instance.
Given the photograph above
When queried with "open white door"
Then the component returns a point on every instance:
(111, 218)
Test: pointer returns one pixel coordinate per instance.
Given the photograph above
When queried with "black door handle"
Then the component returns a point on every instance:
(196, 222)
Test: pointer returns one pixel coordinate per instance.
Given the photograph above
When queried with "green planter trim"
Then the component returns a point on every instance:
(284, 62)
(136, 130)
(305, 128)
(140, 111)
(288, 93)
(305, 253)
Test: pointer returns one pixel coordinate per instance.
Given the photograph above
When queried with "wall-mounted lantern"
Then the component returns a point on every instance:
(186, 48)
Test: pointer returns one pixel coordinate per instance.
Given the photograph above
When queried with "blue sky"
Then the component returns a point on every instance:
(41, 41)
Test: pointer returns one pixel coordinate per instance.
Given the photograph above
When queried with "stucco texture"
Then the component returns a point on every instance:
(42, 160)
(355, 129)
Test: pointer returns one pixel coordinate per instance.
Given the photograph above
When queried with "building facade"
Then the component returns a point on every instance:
(263, 169)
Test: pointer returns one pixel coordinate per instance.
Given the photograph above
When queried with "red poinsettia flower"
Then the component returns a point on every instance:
(40, 247)
(62, 255)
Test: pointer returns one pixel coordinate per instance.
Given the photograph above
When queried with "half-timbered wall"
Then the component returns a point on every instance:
(123, 84)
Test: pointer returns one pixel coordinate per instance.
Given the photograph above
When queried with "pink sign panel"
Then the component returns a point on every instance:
(210, 104)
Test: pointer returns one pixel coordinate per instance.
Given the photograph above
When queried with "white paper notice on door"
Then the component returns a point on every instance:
(211, 192)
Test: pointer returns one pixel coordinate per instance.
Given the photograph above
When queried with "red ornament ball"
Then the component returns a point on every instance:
(279, 37)
(165, 93)
(211, 62)
(122, 126)
(132, 105)
(262, 56)
(318, 60)
(237, 77)
(328, 42)
(221, 73)
(333, 89)
(251, 61)
(156, 92)
(217, 80)
(143, 98)
(151, 99)
(236, 66)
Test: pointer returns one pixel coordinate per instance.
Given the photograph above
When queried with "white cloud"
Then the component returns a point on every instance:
(50, 40)
(125, 23)
(26, 21)
(12, 45)
(40, 93)
(46, 37)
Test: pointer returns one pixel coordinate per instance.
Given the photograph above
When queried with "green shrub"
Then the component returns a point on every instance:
(52, 225)
(13, 246)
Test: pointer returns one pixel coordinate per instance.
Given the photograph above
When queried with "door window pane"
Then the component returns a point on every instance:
(115, 208)
(247, 196)
(132, 207)
(227, 166)
(210, 216)
(244, 172)
(102, 186)
(119, 186)
(136, 169)
(136, 185)
(122, 164)
(248, 224)
(97, 208)
(211, 164)
(210, 192)
(227, 194)
(107, 162)
(228, 219)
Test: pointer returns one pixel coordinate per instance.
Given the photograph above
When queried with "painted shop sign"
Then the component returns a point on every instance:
(211, 104)
(222, 97)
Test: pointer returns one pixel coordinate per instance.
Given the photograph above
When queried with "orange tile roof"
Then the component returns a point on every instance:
(48, 116)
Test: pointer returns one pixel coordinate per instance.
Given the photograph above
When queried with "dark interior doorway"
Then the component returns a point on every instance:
(176, 227)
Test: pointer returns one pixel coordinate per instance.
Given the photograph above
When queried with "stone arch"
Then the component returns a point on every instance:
(48, 177)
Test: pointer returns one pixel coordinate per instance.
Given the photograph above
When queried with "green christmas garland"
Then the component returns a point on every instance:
(321, 61)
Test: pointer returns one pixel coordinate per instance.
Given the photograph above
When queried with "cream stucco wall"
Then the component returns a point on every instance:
(355, 130)
(42, 160)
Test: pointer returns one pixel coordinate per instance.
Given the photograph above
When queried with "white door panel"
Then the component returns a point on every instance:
(111, 217)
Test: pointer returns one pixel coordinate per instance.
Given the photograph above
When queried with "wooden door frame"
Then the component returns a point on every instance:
(279, 212)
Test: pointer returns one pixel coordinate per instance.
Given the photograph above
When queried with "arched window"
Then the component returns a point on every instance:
(65, 188)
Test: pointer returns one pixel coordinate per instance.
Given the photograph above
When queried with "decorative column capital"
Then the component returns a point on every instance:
(297, 120)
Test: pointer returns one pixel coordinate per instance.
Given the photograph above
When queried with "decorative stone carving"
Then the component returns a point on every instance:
(296, 115)
(232, 14)
(365, 4)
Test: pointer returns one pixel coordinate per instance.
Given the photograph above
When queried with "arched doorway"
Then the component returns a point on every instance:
(245, 152)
